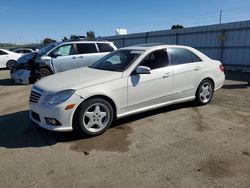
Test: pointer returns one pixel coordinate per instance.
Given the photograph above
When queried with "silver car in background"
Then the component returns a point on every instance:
(62, 56)
(59, 57)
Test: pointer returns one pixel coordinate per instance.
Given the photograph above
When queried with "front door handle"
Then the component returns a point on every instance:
(166, 75)
(73, 57)
(197, 68)
(80, 57)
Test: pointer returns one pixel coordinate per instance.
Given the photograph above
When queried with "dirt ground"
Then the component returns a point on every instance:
(177, 146)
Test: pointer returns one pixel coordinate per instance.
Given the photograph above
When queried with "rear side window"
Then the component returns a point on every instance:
(2, 52)
(195, 58)
(19, 51)
(26, 51)
(86, 48)
(182, 56)
(105, 47)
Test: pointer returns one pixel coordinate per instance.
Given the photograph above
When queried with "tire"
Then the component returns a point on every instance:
(204, 93)
(10, 64)
(43, 72)
(93, 117)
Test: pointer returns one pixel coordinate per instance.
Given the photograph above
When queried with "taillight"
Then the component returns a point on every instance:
(221, 68)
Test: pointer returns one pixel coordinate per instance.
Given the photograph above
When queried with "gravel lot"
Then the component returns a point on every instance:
(177, 146)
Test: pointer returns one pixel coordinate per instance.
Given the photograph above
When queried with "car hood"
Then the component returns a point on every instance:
(76, 79)
(25, 58)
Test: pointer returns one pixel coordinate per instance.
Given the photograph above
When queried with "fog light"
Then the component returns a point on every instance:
(52, 121)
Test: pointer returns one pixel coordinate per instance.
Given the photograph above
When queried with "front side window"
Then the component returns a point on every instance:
(117, 61)
(65, 50)
(156, 60)
(86, 48)
(182, 56)
(2, 52)
(105, 47)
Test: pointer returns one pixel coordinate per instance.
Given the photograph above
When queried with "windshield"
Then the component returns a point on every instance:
(46, 49)
(118, 60)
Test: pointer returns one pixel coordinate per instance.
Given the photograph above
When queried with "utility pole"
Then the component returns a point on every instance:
(220, 16)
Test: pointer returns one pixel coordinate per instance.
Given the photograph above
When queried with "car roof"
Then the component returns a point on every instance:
(153, 46)
(5, 50)
(85, 41)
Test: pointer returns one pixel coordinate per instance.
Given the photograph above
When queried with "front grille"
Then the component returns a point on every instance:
(35, 95)
(35, 116)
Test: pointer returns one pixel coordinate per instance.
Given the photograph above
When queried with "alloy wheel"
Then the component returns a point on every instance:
(96, 117)
(205, 92)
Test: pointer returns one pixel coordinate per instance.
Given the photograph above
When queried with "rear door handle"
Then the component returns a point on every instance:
(81, 57)
(197, 68)
(166, 75)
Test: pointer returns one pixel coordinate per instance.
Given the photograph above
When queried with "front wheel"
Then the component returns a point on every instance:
(10, 64)
(93, 117)
(43, 72)
(204, 93)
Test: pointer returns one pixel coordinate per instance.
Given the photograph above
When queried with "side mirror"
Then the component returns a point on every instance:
(57, 54)
(143, 70)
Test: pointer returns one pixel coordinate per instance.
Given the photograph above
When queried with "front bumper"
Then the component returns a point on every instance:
(21, 76)
(58, 112)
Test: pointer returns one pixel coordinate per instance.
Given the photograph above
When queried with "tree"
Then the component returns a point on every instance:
(177, 27)
(65, 39)
(73, 37)
(48, 41)
(90, 34)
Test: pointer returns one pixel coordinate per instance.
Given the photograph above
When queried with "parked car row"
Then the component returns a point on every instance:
(24, 50)
(8, 59)
(124, 82)
(59, 57)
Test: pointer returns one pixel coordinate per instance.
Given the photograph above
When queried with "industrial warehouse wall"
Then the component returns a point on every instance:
(229, 43)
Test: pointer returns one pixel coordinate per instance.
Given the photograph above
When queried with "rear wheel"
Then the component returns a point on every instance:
(10, 64)
(204, 93)
(93, 117)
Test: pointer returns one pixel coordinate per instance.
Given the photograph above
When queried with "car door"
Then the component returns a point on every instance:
(87, 54)
(64, 58)
(187, 68)
(146, 90)
(3, 58)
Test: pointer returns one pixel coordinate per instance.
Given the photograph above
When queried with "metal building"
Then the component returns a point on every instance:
(229, 42)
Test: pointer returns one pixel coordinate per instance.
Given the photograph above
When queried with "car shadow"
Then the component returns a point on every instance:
(236, 86)
(7, 82)
(17, 131)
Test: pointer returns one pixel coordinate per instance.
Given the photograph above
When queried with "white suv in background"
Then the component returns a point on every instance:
(8, 58)
(62, 56)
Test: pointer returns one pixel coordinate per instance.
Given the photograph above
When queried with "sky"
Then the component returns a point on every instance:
(26, 21)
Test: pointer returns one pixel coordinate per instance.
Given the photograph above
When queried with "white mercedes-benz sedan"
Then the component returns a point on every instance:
(127, 81)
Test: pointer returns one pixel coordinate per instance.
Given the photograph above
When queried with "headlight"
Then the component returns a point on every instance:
(58, 97)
